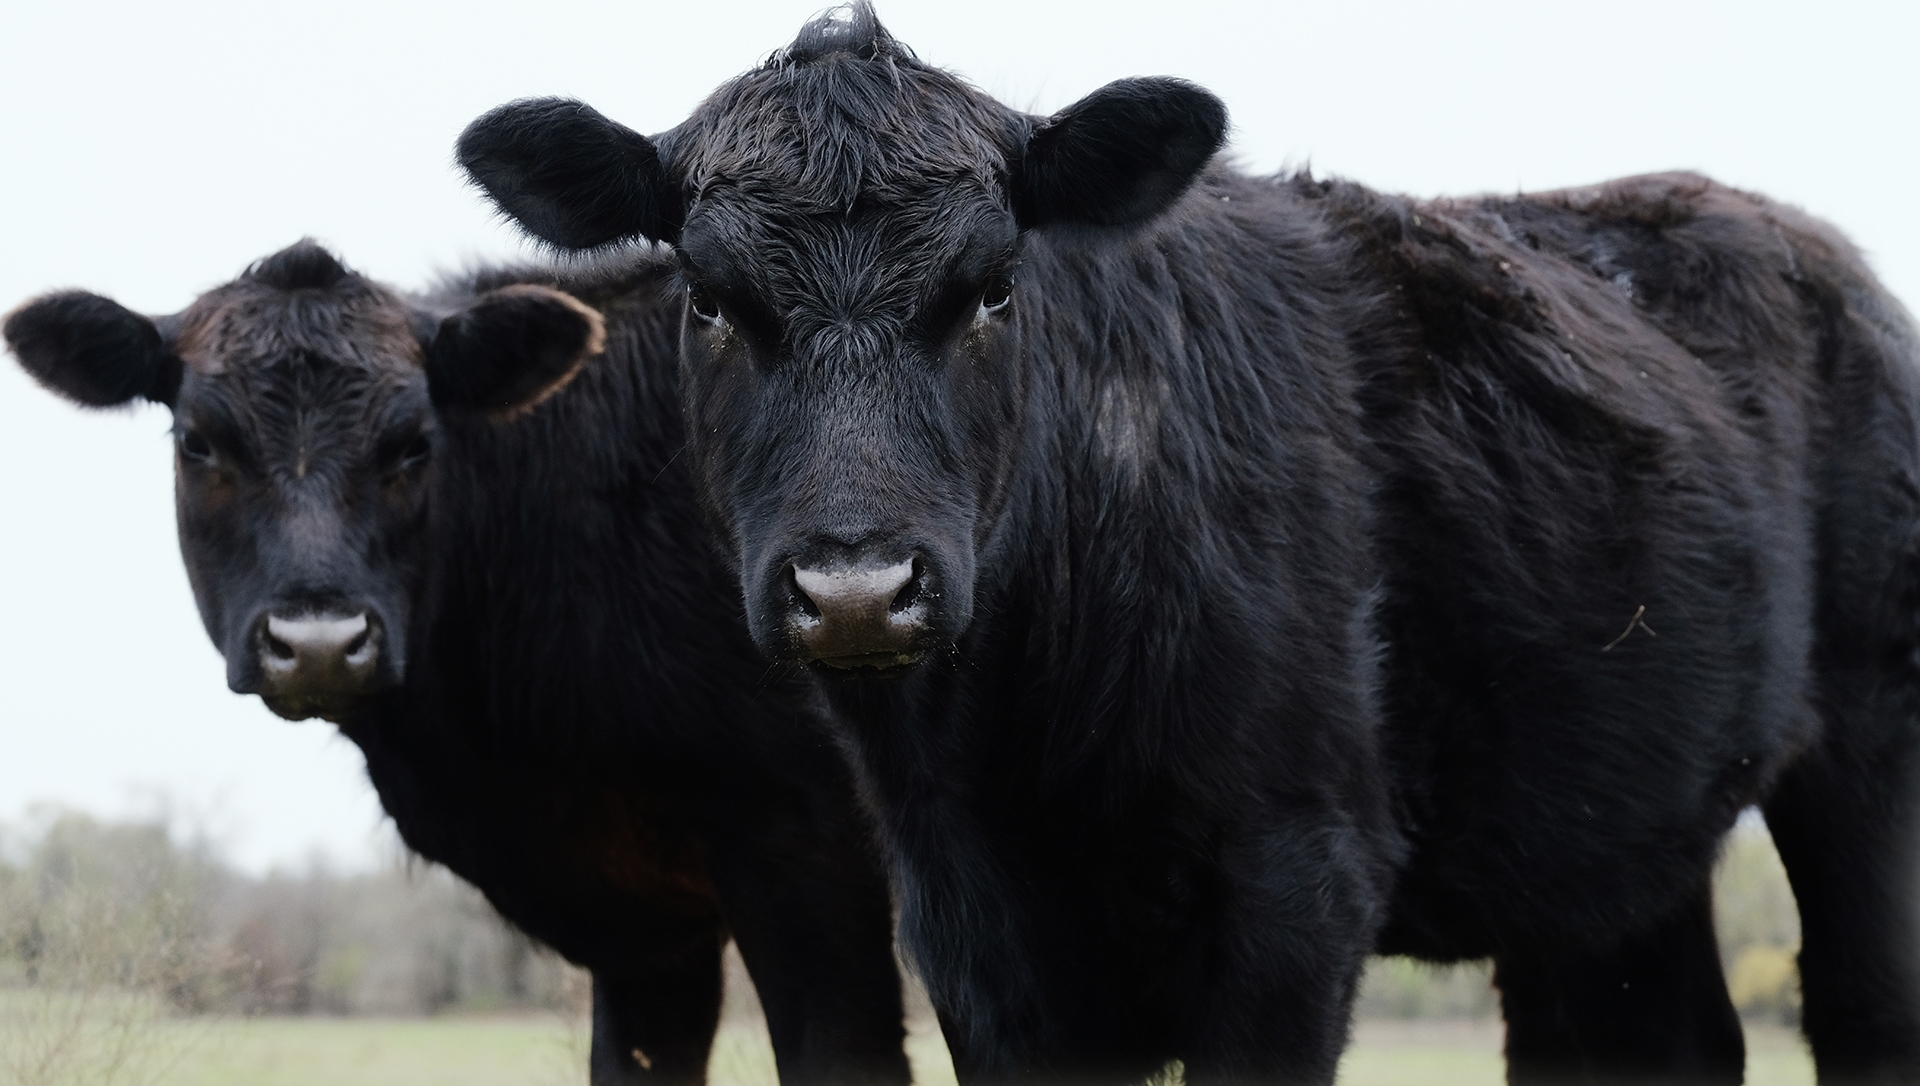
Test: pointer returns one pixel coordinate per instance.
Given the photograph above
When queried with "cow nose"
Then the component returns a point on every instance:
(310, 661)
(854, 615)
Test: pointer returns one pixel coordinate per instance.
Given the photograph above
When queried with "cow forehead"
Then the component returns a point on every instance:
(298, 397)
(300, 369)
(875, 256)
(247, 326)
(840, 129)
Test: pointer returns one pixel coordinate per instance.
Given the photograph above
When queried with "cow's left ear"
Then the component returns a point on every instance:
(513, 348)
(569, 175)
(1118, 156)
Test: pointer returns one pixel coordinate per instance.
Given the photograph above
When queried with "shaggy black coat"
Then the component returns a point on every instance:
(580, 726)
(1286, 571)
(584, 662)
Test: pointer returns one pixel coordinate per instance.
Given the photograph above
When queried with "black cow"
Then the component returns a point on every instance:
(1219, 578)
(520, 626)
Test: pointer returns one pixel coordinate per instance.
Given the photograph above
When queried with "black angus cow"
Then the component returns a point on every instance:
(1218, 578)
(520, 626)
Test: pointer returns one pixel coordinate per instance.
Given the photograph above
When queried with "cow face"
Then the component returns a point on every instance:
(850, 224)
(307, 404)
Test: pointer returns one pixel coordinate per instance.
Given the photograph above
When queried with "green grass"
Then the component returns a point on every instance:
(537, 1049)
(541, 1049)
(458, 1050)
(1429, 1053)
(452, 1051)
(742, 1055)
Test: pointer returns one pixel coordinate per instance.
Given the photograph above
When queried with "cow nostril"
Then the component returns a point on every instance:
(910, 592)
(799, 595)
(359, 642)
(280, 649)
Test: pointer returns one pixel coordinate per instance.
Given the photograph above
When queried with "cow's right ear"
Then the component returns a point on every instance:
(93, 350)
(569, 175)
(516, 346)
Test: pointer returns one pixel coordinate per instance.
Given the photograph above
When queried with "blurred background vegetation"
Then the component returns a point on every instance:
(117, 938)
(129, 950)
(85, 903)
(1754, 915)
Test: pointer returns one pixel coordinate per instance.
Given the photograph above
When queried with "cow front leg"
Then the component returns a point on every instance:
(654, 1018)
(808, 905)
(1653, 1009)
(1285, 961)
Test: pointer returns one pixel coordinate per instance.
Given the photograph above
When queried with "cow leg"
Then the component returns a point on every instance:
(654, 1019)
(810, 911)
(1652, 1010)
(1845, 819)
(1846, 815)
(1285, 965)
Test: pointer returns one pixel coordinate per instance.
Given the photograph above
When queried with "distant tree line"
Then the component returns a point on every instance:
(88, 906)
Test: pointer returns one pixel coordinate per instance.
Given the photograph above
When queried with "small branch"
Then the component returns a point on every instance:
(1631, 623)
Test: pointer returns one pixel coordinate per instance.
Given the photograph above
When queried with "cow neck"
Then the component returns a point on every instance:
(1116, 485)
(567, 547)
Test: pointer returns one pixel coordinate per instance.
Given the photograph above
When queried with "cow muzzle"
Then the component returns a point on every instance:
(859, 615)
(318, 664)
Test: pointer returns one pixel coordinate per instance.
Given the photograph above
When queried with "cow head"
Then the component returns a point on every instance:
(850, 224)
(306, 402)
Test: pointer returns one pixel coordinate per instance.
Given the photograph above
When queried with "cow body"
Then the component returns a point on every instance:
(1656, 389)
(554, 707)
(610, 767)
(1217, 579)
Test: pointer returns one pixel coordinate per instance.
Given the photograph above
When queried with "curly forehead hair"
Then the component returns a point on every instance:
(846, 115)
(300, 300)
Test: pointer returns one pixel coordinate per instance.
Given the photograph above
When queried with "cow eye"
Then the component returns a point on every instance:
(703, 304)
(195, 447)
(416, 452)
(995, 296)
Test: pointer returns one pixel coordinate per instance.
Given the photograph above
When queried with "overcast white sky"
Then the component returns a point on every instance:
(151, 151)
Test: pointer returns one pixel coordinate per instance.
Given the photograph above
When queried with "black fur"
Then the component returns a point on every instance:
(852, 29)
(511, 350)
(1307, 572)
(92, 350)
(536, 156)
(1119, 155)
(575, 720)
(302, 266)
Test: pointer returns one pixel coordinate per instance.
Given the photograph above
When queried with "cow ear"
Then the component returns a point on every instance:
(569, 175)
(1120, 155)
(516, 346)
(93, 350)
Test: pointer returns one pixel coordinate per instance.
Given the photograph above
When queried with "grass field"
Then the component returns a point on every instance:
(534, 1050)
(1441, 1053)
